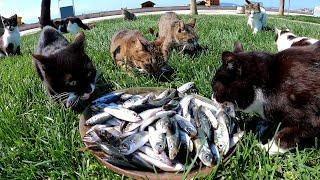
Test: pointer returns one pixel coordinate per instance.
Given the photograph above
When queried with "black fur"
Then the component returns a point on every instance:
(62, 66)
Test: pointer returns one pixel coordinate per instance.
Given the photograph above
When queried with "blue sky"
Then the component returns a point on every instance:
(30, 9)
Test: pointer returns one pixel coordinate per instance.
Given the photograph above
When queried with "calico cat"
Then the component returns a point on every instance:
(64, 68)
(286, 39)
(257, 17)
(127, 15)
(71, 25)
(131, 51)
(282, 87)
(177, 34)
(10, 40)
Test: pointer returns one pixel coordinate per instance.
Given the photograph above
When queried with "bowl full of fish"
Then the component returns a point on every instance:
(152, 132)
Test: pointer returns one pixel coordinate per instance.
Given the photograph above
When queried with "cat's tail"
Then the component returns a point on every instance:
(248, 2)
(45, 18)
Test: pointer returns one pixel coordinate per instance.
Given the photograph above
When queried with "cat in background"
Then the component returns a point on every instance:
(286, 39)
(127, 15)
(257, 17)
(10, 40)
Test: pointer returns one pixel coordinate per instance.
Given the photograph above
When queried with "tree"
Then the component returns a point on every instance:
(193, 7)
(281, 8)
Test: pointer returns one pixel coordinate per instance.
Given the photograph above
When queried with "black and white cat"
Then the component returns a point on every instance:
(127, 15)
(71, 25)
(286, 39)
(10, 40)
(257, 17)
(64, 68)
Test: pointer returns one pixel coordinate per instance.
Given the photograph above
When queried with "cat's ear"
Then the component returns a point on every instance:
(159, 41)
(78, 43)
(192, 22)
(14, 16)
(179, 25)
(228, 59)
(142, 44)
(45, 61)
(238, 47)
(276, 30)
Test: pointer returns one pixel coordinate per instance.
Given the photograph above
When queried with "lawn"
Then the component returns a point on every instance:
(39, 139)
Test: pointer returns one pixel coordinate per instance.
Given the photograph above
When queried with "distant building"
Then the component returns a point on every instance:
(316, 11)
(147, 4)
(212, 2)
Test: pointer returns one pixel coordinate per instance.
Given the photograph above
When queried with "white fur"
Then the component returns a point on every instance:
(257, 104)
(11, 37)
(272, 148)
(73, 28)
(257, 21)
(284, 43)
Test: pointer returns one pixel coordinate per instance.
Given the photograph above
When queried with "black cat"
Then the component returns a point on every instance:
(65, 69)
(10, 40)
(282, 87)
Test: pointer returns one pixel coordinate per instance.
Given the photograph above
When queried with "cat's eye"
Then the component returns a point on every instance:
(179, 31)
(73, 83)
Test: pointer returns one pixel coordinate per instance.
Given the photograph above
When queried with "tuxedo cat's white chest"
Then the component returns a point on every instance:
(73, 28)
(11, 37)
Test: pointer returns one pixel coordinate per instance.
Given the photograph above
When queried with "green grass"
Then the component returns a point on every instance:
(310, 19)
(40, 139)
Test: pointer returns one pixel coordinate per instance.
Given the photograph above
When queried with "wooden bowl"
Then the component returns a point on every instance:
(135, 174)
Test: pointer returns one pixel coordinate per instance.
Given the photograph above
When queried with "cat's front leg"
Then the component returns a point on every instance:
(255, 31)
(273, 147)
(18, 51)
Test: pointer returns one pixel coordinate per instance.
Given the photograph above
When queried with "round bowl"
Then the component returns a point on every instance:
(135, 174)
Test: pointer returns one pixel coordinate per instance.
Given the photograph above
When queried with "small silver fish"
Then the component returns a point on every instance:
(215, 152)
(119, 162)
(163, 125)
(184, 104)
(91, 137)
(134, 102)
(157, 140)
(174, 168)
(199, 102)
(213, 120)
(204, 123)
(185, 125)
(163, 94)
(186, 140)
(134, 142)
(108, 98)
(136, 159)
(149, 113)
(185, 87)
(98, 119)
(203, 151)
(158, 115)
(110, 150)
(221, 135)
(173, 140)
(161, 156)
(123, 114)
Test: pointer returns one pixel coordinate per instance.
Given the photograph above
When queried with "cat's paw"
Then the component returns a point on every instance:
(272, 148)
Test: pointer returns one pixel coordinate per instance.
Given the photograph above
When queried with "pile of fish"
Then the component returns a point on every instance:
(166, 131)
